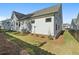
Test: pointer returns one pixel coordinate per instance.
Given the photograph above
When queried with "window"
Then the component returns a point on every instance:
(56, 26)
(8, 22)
(11, 25)
(32, 21)
(22, 23)
(19, 24)
(16, 23)
(48, 20)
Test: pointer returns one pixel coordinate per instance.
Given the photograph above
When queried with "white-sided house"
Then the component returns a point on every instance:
(66, 26)
(75, 23)
(78, 22)
(1, 26)
(47, 21)
(25, 23)
(15, 24)
(6, 24)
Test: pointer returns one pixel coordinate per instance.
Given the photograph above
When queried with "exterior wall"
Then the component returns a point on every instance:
(6, 24)
(42, 27)
(58, 22)
(66, 26)
(73, 26)
(15, 24)
(21, 25)
(46, 28)
(26, 25)
(75, 23)
(1, 25)
(57, 25)
(77, 27)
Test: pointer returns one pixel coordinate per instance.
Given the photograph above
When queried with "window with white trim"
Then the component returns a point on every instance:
(48, 20)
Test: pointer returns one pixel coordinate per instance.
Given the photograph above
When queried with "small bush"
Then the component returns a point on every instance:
(50, 37)
(32, 34)
(23, 31)
(42, 37)
(37, 35)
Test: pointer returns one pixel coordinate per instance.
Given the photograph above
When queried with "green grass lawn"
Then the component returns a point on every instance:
(27, 43)
(69, 38)
(69, 45)
(25, 38)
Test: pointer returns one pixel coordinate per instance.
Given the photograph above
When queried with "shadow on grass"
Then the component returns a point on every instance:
(60, 33)
(22, 44)
(74, 33)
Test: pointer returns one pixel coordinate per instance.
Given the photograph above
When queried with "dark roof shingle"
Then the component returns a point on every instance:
(18, 15)
(51, 9)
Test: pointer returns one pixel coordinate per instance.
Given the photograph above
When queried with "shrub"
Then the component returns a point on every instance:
(32, 34)
(42, 37)
(37, 35)
(50, 37)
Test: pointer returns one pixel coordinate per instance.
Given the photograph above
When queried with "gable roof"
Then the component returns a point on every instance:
(44, 11)
(6, 21)
(78, 19)
(48, 10)
(27, 16)
(74, 21)
(18, 15)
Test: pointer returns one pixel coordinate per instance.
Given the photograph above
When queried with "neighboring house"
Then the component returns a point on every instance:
(47, 21)
(75, 23)
(6, 24)
(1, 26)
(66, 26)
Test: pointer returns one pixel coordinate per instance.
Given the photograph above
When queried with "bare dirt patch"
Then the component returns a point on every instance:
(7, 47)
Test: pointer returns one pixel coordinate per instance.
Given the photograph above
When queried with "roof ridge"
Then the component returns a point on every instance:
(18, 12)
(48, 7)
(18, 15)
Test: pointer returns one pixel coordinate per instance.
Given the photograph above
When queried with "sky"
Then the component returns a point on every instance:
(69, 10)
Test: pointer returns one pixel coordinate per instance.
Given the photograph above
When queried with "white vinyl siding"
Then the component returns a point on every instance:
(42, 27)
